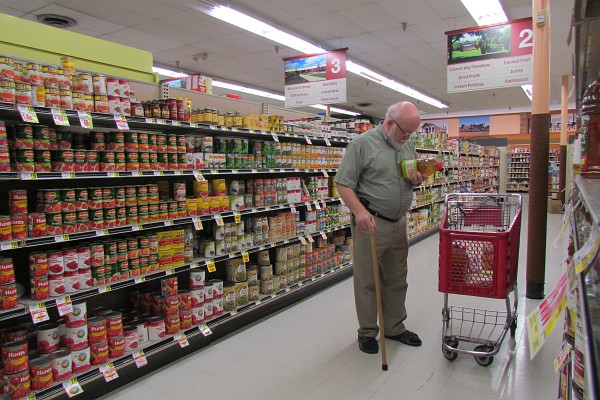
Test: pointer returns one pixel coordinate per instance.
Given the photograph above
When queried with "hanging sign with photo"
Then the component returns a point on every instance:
(489, 57)
(315, 79)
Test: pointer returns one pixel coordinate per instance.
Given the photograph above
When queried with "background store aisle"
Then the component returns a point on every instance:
(308, 351)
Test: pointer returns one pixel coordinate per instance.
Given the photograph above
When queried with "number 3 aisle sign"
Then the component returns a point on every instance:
(490, 57)
(315, 79)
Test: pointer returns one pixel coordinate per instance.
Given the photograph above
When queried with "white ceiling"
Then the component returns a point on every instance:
(174, 30)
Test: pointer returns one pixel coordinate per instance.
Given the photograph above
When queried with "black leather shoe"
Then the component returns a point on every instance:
(368, 344)
(408, 337)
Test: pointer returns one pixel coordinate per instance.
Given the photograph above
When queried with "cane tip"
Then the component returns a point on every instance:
(384, 367)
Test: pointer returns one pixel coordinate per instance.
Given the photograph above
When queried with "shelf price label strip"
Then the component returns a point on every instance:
(140, 359)
(64, 305)
(109, 372)
(72, 387)
(28, 114)
(38, 313)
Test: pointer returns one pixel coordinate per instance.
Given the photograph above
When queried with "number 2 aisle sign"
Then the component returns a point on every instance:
(490, 57)
(315, 79)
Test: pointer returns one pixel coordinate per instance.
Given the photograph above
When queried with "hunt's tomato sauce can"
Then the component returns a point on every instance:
(38, 264)
(36, 225)
(17, 386)
(7, 272)
(40, 289)
(17, 201)
(15, 357)
(40, 374)
(99, 353)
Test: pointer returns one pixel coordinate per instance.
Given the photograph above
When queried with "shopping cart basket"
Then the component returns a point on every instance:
(479, 253)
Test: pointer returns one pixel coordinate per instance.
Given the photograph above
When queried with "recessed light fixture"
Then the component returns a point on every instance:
(485, 12)
(56, 21)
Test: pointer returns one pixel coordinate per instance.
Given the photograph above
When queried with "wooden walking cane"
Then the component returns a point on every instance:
(384, 365)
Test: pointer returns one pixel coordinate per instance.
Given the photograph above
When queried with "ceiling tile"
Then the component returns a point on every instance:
(371, 17)
(448, 8)
(365, 43)
(109, 10)
(420, 52)
(410, 12)
(301, 9)
(390, 56)
(137, 36)
(11, 11)
(24, 5)
(245, 43)
(430, 32)
(264, 10)
(398, 37)
(334, 23)
(83, 20)
(170, 32)
(200, 23)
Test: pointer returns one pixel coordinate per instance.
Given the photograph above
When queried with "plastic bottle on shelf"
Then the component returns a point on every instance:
(428, 166)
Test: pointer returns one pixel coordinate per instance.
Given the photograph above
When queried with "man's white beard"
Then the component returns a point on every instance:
(395, 145)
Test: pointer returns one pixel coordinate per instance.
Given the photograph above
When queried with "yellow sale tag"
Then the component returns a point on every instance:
(534, 333)
(246, 256)
(210, 265)
(237, 216)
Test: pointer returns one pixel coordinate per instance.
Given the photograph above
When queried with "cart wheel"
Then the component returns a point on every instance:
(449, 354)
(513, 328)
(484, 361)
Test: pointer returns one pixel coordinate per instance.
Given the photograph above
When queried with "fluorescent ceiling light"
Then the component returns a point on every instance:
(528, 89)
(253, 25)
(336, 110)
(168, 72)
(485, 12)
(243, 89)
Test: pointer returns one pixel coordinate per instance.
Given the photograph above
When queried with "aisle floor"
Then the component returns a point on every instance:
(309, 350)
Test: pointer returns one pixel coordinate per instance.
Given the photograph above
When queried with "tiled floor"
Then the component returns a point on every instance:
(309, 350)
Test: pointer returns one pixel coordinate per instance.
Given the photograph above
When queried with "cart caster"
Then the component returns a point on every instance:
(449, 354)
(484, 361)
(513, 328)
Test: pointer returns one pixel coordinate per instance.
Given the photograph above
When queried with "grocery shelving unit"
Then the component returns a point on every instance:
(518, 170)
(553, 174)
(466, 169)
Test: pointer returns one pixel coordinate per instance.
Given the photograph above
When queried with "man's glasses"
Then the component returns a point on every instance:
(402, 130)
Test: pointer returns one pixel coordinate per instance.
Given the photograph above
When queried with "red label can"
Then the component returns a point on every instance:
(80, 360)
(84, 256)
(70, 259)
(114, 324)
(56, 264)
(99, 353)
(48, 338)
(40, 374)
(18, 224)
(38, 264)
(60, 362)
(17, 386)
(40, 289)
(7, 272)
(36, 225)
(5, 228)
(56, 285)
(71, 280)
(116, 346)
(97, 330)
(15, 357)
(17, 201)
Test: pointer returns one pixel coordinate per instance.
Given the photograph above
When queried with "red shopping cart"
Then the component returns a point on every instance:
(479, 253)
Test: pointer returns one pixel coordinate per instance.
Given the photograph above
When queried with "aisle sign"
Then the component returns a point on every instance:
(490, 57)
(315, 79)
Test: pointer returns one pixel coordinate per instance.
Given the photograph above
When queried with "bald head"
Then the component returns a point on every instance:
(406, 114)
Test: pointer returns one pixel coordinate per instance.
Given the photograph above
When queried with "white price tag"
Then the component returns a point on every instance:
(175, 123)
(159, 173)
(85, 119)
(193, 124)
(324, 235)
(60, 117)
(327, 142)
(233, 313)
(275, 137)
(219, 219)
(161, 121)
(139, 279)
(140, 359)
(308, 206)
(182, 339)
(212, 127)
(194, 265)
(168, 223)
(72, 387)
(210, 265)
(64, 305)
(68, 175)
(121, 122)
(28, 175)
(317, 205)
(104, 289)
(109, 371)
(205, 330)
(308, 140)
(198, 175)
(294, 211)
(9, 245)
(135, 228)
(286, 241)
(28, 114)
(39, 313)
(325, 174)
(254, 171)
(234, 129)
(170, 271)
(150, 120)
(111, 174)
(311, 239)
(303, 240)
(61, 238)
(31, 397)
(197, 223)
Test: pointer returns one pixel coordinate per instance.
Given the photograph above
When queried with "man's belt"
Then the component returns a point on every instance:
(378, 215)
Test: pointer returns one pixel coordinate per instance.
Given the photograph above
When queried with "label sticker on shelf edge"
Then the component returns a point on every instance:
(139, 280)
(121, 122)
(68, 175)
(311, 239)
(150, 120)
(109, 371)
(85, 119)
(64, 305)
(72, 387)
(327, 142)
(308, 140)
(308, 206)
(104, 289)
(31, 397)
(198, 175)
(61, 238)
(237, 217)
(140, 359)
(324, 235)
(39, 313)
(210, 265)
(60, 117)
(219, 219)
(325, 174)
(245, 256)
(197, 223)
(175, 123)
(9, 245)
(275, 137)
(317, 205)
(182, 339)
(161, 121)
(294, 211)
(303, 240)
(28, 114)
(205, 330)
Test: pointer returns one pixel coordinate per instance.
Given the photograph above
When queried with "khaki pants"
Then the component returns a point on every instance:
(392, 253)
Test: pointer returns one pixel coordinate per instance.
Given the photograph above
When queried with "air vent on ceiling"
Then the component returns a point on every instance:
(362, 105)
(57, 21)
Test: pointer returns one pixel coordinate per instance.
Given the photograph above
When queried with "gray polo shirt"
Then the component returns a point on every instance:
(371, 167)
